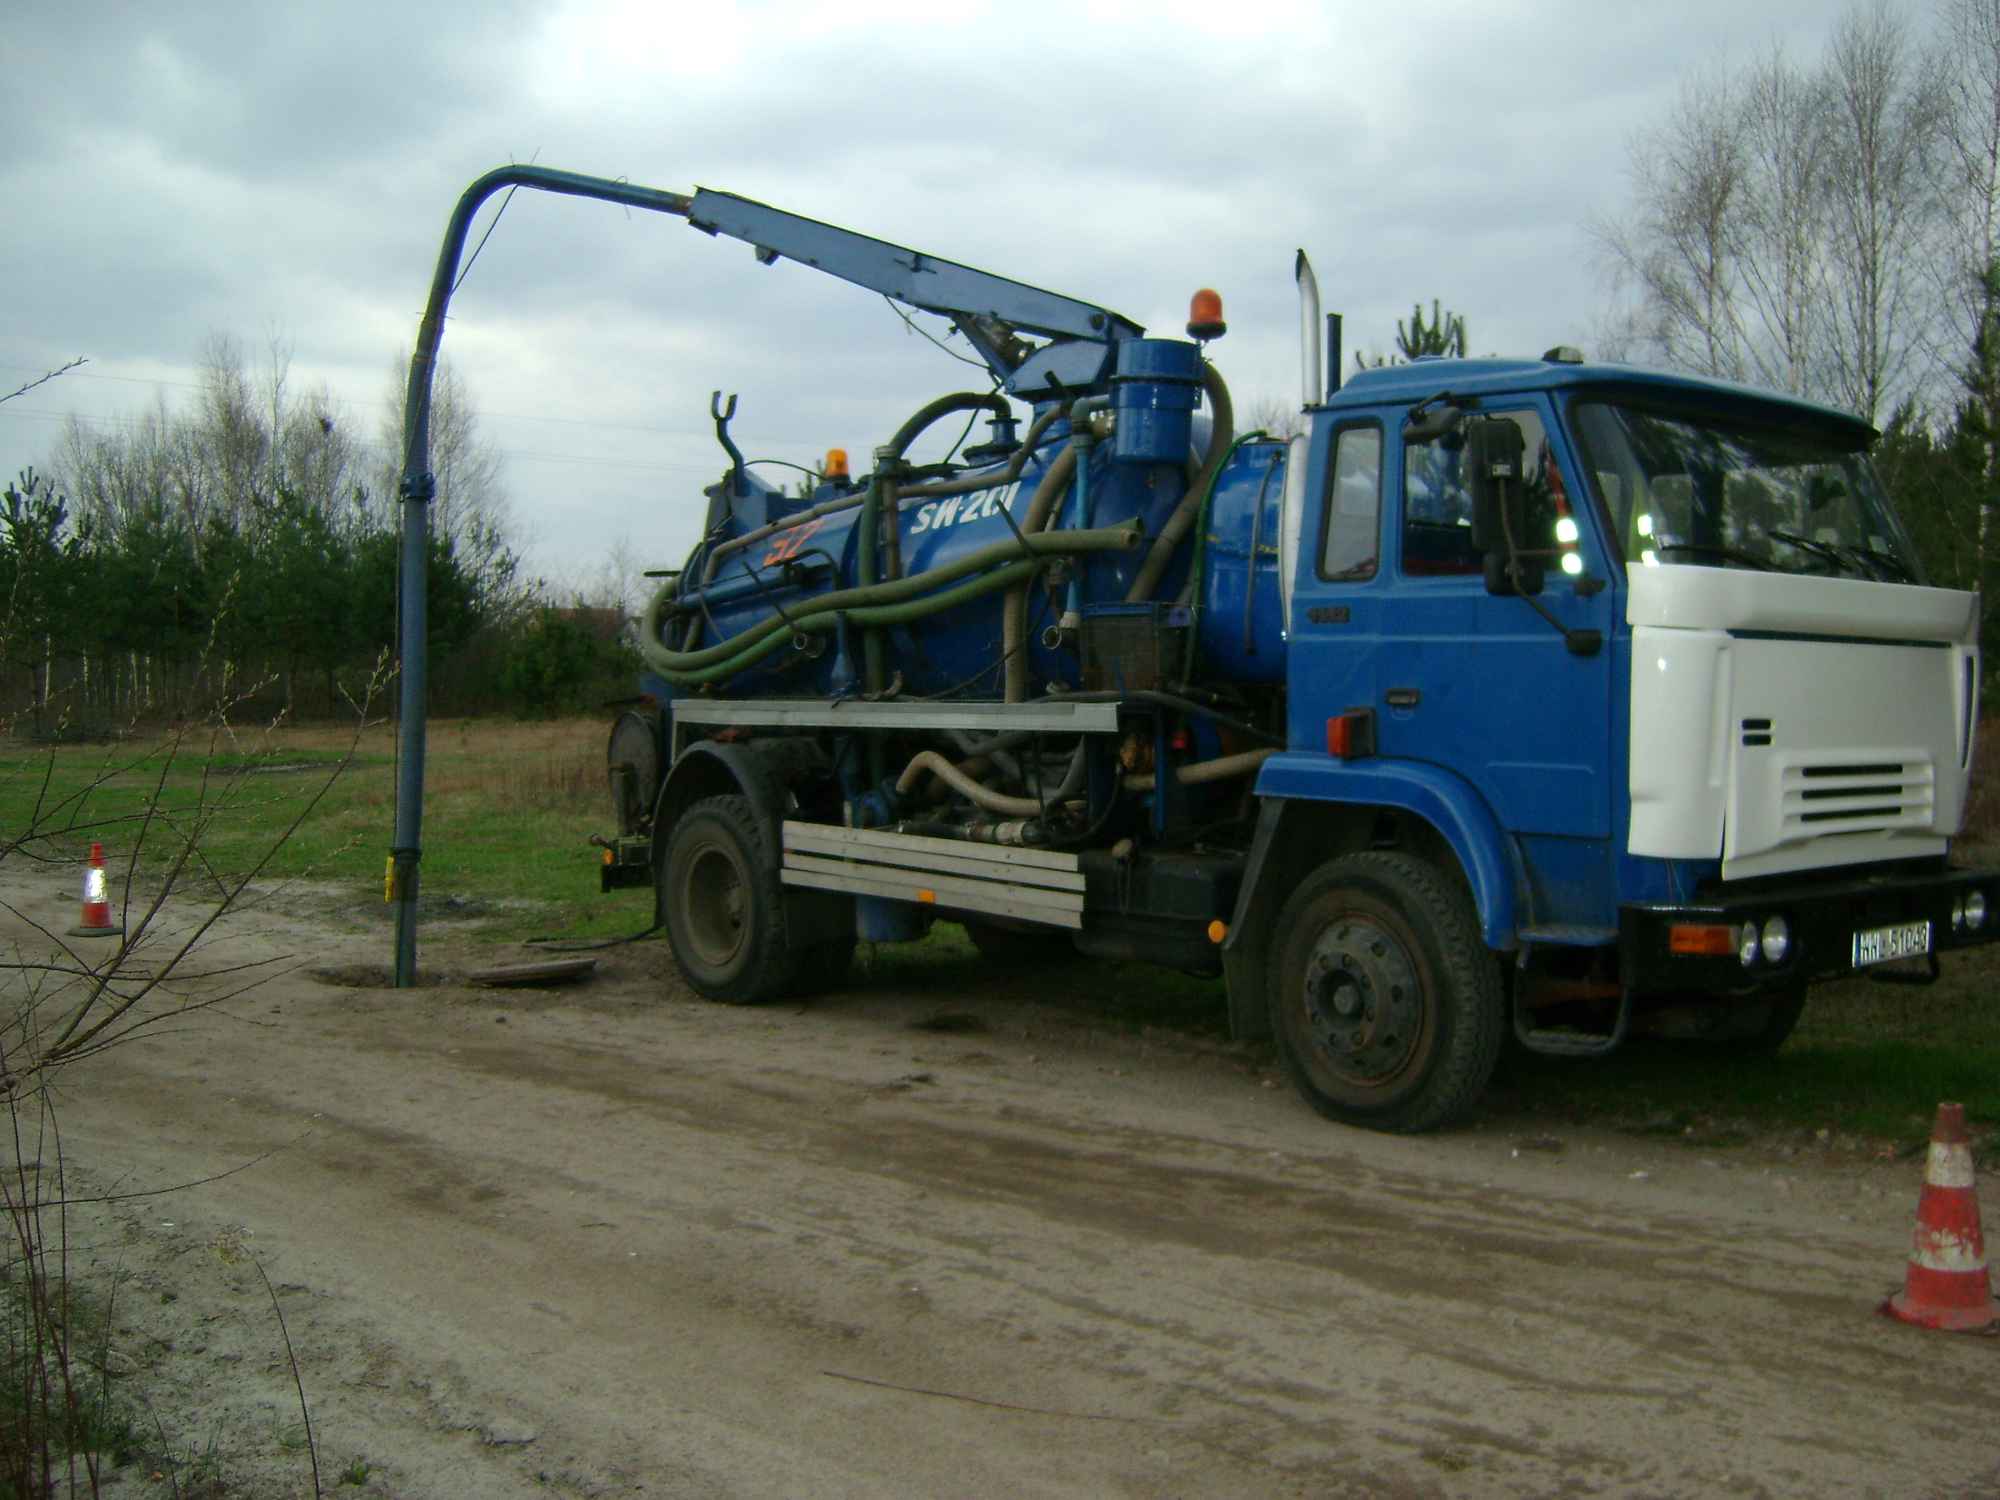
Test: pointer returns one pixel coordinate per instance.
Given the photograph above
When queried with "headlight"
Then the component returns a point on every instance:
(1777, 940)
(1975, 909)
(1747, 944)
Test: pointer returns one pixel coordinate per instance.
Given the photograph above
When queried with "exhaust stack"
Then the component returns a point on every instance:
(1310, 362)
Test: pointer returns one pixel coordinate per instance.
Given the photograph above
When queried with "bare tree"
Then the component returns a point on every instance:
(1966, 68)
(60, 370)
(1781, 220)
(470, 506)
(1882, 118)
(1781, 238)
(1677, 248)
(1275, 415)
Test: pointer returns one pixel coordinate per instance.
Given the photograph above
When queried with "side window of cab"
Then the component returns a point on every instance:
(1437, 505)
(1350, 534)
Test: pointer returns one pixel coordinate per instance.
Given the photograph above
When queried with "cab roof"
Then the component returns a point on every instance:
(1432, 375)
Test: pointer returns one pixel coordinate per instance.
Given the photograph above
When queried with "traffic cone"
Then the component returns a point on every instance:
(96, 901)
(1947, 1286)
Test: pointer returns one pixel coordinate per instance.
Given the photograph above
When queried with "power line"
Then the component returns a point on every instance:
(101, 424)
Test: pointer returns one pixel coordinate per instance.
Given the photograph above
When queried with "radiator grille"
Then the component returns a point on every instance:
(1858, 797)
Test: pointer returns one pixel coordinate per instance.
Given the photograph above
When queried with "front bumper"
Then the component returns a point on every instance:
(1823, 916)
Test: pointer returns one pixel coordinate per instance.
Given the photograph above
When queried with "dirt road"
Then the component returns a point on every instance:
(937, 1237)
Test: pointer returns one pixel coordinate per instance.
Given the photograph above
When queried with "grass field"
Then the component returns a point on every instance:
(509, 808)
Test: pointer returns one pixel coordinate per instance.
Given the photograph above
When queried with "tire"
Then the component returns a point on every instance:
(723, 904)
(1385, 1003)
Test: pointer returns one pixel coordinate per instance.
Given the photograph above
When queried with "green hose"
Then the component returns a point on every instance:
(1198, 563)
(897, 602)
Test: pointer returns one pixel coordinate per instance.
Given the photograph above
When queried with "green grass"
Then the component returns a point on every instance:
(508, 810)
(1868, 1060)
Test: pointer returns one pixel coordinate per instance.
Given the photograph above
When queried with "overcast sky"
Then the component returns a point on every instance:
(285, 171)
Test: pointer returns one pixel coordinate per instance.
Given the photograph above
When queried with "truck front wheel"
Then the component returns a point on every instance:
(1385, 1003)
(724, 905)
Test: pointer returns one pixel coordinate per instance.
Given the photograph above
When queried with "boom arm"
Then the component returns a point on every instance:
(988, 309)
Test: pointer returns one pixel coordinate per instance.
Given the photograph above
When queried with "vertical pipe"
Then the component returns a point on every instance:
(1334, 355)
(418, 486)
(1309, 350)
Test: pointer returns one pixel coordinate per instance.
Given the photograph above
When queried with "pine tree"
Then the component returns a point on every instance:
(1442, 334)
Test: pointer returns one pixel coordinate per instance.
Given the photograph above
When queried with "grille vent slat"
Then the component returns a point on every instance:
(1858, 797)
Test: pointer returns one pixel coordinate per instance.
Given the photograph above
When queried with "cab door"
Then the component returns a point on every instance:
(1482, 685)
(1336, 604)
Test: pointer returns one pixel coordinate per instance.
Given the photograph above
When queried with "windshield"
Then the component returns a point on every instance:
(1699, 490)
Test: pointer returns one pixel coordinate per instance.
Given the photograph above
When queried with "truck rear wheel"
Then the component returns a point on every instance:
(724, 905)
(1385, 1004)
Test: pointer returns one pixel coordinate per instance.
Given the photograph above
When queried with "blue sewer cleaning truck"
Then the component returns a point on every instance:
(1526, 696)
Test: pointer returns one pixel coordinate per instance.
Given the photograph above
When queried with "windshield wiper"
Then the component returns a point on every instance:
(1883, 565)
(1727, 554)
(1842, 561)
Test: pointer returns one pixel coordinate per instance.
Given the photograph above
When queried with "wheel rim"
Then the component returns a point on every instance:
(1362, 1011)
(715, 895)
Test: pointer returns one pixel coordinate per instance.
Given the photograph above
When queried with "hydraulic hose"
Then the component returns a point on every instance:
(889, 462)
(867, 576)
(944, 406)
(1014, 610)
(898, 602)
(1106, 539)
(1221, 433)
(1220, 769)
(985, 796)
(937, 489)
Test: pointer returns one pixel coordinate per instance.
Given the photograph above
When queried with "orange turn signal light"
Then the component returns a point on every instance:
(1217, 931)
(1701, 939)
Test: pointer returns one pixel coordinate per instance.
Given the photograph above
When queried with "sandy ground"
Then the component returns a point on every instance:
(942, 1240)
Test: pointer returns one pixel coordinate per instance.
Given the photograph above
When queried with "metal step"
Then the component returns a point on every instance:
(1030, 885)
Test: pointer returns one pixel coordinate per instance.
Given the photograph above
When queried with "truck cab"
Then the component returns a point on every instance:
(1634, 680)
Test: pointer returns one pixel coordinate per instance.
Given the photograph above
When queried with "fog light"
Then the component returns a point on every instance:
(1975, 909)
(1777, 940)
(1958, 914)
(1747, 944)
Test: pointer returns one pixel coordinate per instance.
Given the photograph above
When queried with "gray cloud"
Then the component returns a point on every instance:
(263, 169)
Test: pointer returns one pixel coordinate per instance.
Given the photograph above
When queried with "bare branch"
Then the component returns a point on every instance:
(59, 370)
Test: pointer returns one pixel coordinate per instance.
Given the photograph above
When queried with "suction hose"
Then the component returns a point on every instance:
(898, 602)
(1221, 432)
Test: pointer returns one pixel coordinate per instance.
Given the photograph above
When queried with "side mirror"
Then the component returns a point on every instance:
(1433, 419)
(1494, 451)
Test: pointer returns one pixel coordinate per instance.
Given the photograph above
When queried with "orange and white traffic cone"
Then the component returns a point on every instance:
(96, 901)
(1947, 1286)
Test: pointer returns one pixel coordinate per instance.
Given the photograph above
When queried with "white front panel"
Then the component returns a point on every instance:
(1780, 753)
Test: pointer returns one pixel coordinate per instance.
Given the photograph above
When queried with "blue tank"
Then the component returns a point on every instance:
(771, 555)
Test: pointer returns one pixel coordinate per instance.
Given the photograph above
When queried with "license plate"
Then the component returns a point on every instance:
(1878, 945)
